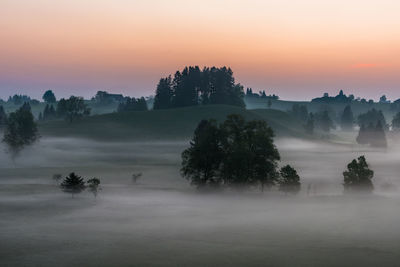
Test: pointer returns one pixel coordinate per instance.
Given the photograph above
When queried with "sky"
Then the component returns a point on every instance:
(295, 49)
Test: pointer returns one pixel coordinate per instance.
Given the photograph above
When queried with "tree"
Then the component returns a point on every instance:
(289, 181)
(133, 104)
(395, 122)
(73, 184)
(72, 108)
(372, 116)
(347, 119)
(49, 97)
(358, 176)
(378, 136)
(324, 121)
(3, 117)
(309, 127)
(21, 130)
(202, 160)
(136, 177)
(237, 153)
(164, 94)
(94, 186)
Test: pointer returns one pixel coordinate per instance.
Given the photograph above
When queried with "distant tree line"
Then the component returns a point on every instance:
(133, 104)
(193, 86)
(260, 94)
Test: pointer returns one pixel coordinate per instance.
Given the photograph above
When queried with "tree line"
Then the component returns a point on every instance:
(193, 86)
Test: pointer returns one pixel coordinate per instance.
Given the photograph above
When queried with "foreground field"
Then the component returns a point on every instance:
(162, 221)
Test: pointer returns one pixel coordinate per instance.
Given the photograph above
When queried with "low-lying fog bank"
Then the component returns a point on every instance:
(162, 221)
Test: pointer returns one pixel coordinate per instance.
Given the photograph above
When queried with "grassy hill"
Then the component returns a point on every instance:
(170, 124)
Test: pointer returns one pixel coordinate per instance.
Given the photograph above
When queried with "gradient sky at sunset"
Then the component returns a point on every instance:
(296, 49)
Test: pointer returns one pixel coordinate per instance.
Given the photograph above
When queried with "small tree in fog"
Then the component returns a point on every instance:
(73, 184)
(358, 176)
(57, 177)
(309, 126)
(289, 181)
(21, 130)
(136, 176)
(94, 186)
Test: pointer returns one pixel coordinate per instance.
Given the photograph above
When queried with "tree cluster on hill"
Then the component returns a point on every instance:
(19, 99)
(193, 87)
(236, 153)
(372, 117)
(358, 176)
(340, 98)
(72, 108)
(21, 130)
(260, 94)
(49, 97)
(372, 135)
(133, 104)
(347, 119)
(49, 113)
(105, 98)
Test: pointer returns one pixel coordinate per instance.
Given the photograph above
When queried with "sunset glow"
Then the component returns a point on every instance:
(283, 46)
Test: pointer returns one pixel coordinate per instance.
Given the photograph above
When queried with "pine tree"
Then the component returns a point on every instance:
(347, 119)
(73, 184)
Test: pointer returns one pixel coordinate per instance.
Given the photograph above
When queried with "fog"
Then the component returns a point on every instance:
(163, 221)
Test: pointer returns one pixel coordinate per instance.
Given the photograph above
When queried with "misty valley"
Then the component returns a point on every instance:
(203, 173)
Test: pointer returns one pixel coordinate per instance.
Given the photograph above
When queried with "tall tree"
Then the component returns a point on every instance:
(21, 130)
(358, 176)
(201, 161)
(289, 181)
(164, 94)
(49, 97)
(94, 186)
(72, 108)
(3, 117)
(309, 126)
(395, 122)
(347, 119)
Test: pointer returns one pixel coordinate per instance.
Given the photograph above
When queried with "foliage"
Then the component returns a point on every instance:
(372, 135)
(72, 109)
(289, 181)
(49, 113)
(236, 153)
(309, 126)
(340, 98)
(133, 104)
(19, 99)
(94, 186)
(324, 121)
(395, 122)
(73, 184)
(347, 119)
(49, 97)
(358, 176)
(21, 130)
(193, 86)
(372, 116)
(3, 117)
(201, 161)
(300, 112)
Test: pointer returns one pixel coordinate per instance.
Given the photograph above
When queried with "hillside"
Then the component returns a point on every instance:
(170, 124)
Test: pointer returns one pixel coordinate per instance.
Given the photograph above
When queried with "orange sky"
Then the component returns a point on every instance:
(296, 49)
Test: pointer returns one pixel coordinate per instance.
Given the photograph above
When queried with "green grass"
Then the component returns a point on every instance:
(170, 124)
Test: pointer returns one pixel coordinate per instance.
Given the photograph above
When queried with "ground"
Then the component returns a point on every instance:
(162, 221)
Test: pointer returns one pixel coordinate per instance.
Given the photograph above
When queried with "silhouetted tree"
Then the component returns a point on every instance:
(164, 94)
(309, 126)
(73, 184)
(49, 113)
(395, 122)
(133, 104)
(49, 97)
(72, 108)
(378, 138)
(3, 117)
(289, 181)
(358, 176)
(300, 112)
(347, 119)
(372, 116)
(136, 176)
(94, 186)
(324, 122)
(21, 130)
(202, 160)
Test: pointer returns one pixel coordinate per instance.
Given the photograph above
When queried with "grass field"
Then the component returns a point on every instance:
(169, 124)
